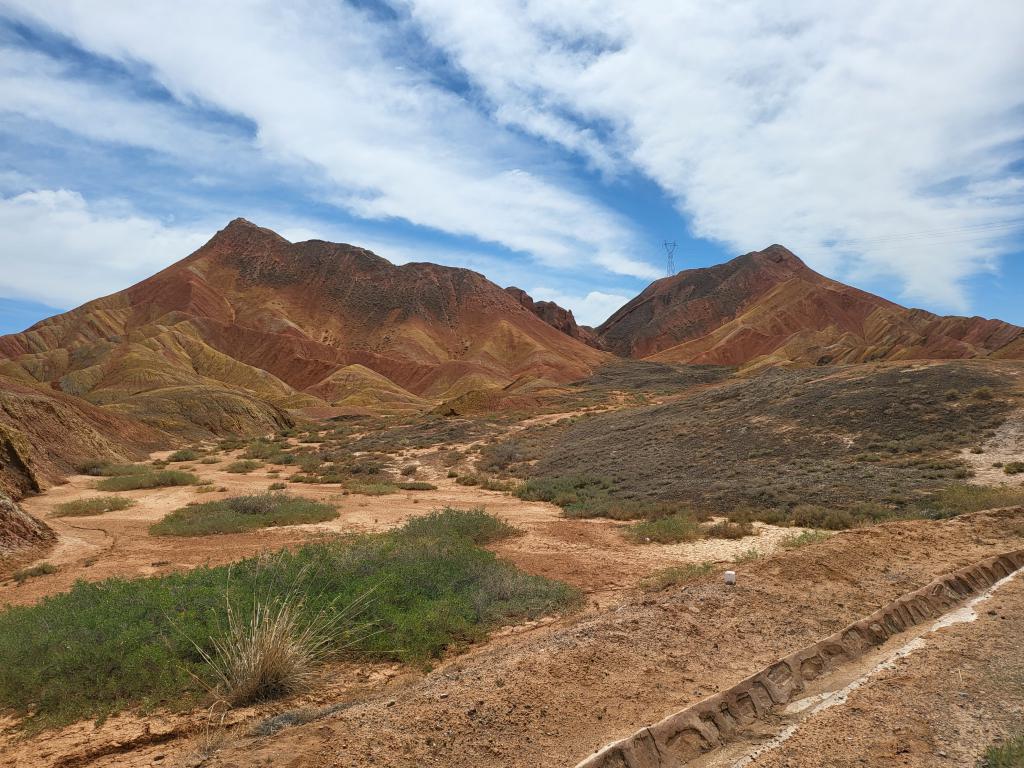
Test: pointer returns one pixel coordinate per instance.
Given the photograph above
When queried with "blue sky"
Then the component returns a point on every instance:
(551, 145)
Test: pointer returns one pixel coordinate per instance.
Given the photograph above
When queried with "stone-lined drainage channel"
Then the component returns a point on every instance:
(733, 727)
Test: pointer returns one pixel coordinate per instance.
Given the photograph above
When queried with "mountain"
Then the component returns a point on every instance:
(251, 328)
(769, 307)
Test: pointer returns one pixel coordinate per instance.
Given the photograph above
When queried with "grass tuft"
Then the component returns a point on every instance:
(150, 479)
(1008, 754)
(676, 576)
(804, 539)
(97, 505)
(666, 530)
(43, 569)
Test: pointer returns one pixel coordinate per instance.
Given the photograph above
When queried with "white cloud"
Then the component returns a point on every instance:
(58, 249)
(803, 123)
(381, 141)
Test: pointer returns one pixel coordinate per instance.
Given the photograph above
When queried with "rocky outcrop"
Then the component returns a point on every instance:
(19, 530)
(557, 317)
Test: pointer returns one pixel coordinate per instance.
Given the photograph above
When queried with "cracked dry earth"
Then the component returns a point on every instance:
(551, 693)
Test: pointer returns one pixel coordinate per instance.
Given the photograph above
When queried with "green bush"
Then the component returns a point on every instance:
(94, 506)
(277, 486)
(1013, 467)
(185, 454)
(371, 489)
(665, 530)
(108, 645)
(576, 494)
(417, 485)
(150, 479)
(242, 513)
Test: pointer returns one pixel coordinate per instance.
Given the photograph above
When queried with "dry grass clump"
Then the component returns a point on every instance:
(243, 466)
(675, 576)
(803, 539)
(160, 478)
(43, 569)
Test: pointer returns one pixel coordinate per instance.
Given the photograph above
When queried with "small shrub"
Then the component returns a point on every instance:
(209, 460)
(186, 454)
(94, 506)
(983, 393)
(277, 486)
(474, 524)
(729, 530)
(417, 485)
(666, 530)
(675, 576)
(803, 539)
(243, 466)
(410, 469)
(468, 480)
(749, 555)
(151, 479)
(42, 569)
(952, 394)
(452, 473)
(1014, 467)
(372, 489)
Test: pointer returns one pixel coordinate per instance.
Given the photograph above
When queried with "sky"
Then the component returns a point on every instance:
(554, 145)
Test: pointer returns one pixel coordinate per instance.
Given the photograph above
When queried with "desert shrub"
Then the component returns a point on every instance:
(104, 646)
(277, 486)
(210, 460)
(410, 469)
(185, 454)
(665, 530)
(97, 505)
(371, 488)
(729, 530)
(151, 479)
(42, 569)
(676, 576)
(417, 485)
(452, 473)
(983, 393)
(803, 539)
(468, 480)
(575, 493)
(109, 469)
(1014, 467)
(499, 456)
(242, 513)
(952, 394)
(474, 524)
(810, 516)
(243, 466)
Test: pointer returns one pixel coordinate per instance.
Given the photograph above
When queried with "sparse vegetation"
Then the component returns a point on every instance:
(1007, 754)
(803, 539)
(676, 576)
(243, 466)
(417, 485)
(108, 469)
(186, 454)
(962, 498)
(1014, 467)
(242, 513)
(665, 530)
(104, 646)
(150, 479)
(42, 569)
(726, 529)
(97, 505)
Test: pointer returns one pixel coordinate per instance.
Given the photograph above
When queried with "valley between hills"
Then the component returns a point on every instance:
(477, 533)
